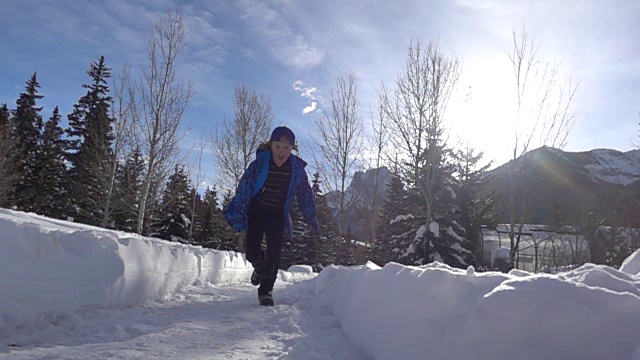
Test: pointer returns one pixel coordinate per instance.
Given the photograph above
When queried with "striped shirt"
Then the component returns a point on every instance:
(274, 193)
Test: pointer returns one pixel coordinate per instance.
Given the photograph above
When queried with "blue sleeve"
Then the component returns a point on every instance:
(236, 212)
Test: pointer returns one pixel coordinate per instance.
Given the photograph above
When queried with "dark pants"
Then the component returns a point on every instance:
(269, 224)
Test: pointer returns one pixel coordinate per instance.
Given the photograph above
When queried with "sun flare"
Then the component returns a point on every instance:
(482, 109)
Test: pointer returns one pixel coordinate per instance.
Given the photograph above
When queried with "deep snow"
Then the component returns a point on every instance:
(75, 291)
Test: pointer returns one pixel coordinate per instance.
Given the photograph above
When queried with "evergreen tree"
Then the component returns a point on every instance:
(212, 230)
(395, 204)
(5, 118)
(324, 244)
(231, 240)
(128, 185)
(475, 201)
(348, 247)
(174, 216)
(416, 241)
(196, 206)
(205, 207)
(406, 234)
(91, 136)
(449, 244)
(299, 249)
(26, 131)
(51, 184)
(7, 167)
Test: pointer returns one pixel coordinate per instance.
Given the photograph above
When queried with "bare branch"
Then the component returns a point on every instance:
(234, 145)
(340, 138)
(544, 114)
(162, 100)
(416, 113)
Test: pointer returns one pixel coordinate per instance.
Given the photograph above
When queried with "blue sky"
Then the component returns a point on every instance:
(284, 48)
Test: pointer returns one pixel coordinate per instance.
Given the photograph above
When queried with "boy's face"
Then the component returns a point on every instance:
(281, 151)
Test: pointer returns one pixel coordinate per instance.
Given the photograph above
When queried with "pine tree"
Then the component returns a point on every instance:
(324, 244)
(299, 249)
(212, 230)
(348, 247)
(203, 233)
(128, 185)
(230, 242)
(406, 233)
(395, 204)
(174, 217)
(26, 130)
(91, 136)
(196, 222)
(449, 244)
(5, 118)
(416, 241)
(7, 166)
(51, 192)
(473, 197)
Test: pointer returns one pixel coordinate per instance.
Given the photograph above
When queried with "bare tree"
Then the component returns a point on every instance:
(233, 146)
(367, 196)
(199, 176)
(340, 140)
(378, 144)
(544, 116)
(121, 112)
(416, 114)
(162, 100)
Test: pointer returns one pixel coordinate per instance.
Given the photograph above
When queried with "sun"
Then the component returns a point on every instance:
(482, 111)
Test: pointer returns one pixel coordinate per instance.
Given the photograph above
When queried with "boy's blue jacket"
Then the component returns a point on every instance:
(252, 181)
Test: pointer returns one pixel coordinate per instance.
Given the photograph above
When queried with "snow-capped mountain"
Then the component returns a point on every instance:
(614, 166)
(607, 165)
(572, 185)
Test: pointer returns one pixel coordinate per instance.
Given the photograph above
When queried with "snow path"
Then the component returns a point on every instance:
(203, 322)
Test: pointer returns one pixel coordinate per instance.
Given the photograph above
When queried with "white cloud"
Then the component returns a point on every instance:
(200, 31)
(309, 108)
(307, 93)
(278, 37)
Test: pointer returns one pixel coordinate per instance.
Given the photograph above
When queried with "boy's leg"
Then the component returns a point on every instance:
(274, 233)
(255, 233)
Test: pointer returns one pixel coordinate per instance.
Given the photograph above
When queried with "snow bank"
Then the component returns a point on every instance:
(305, 269)
(49, 268)
(438, 312)
(631, 265)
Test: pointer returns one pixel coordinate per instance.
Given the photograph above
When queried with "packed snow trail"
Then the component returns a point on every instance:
(203, 322)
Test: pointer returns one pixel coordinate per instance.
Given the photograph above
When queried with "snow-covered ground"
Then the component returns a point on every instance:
(75, 292)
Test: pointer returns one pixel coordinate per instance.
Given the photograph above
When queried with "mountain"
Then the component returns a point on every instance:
(612, 166)
(574, 188)
(358, 198)
(569, 186)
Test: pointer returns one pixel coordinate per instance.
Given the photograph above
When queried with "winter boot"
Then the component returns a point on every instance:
(266, 299)
(255, 278)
